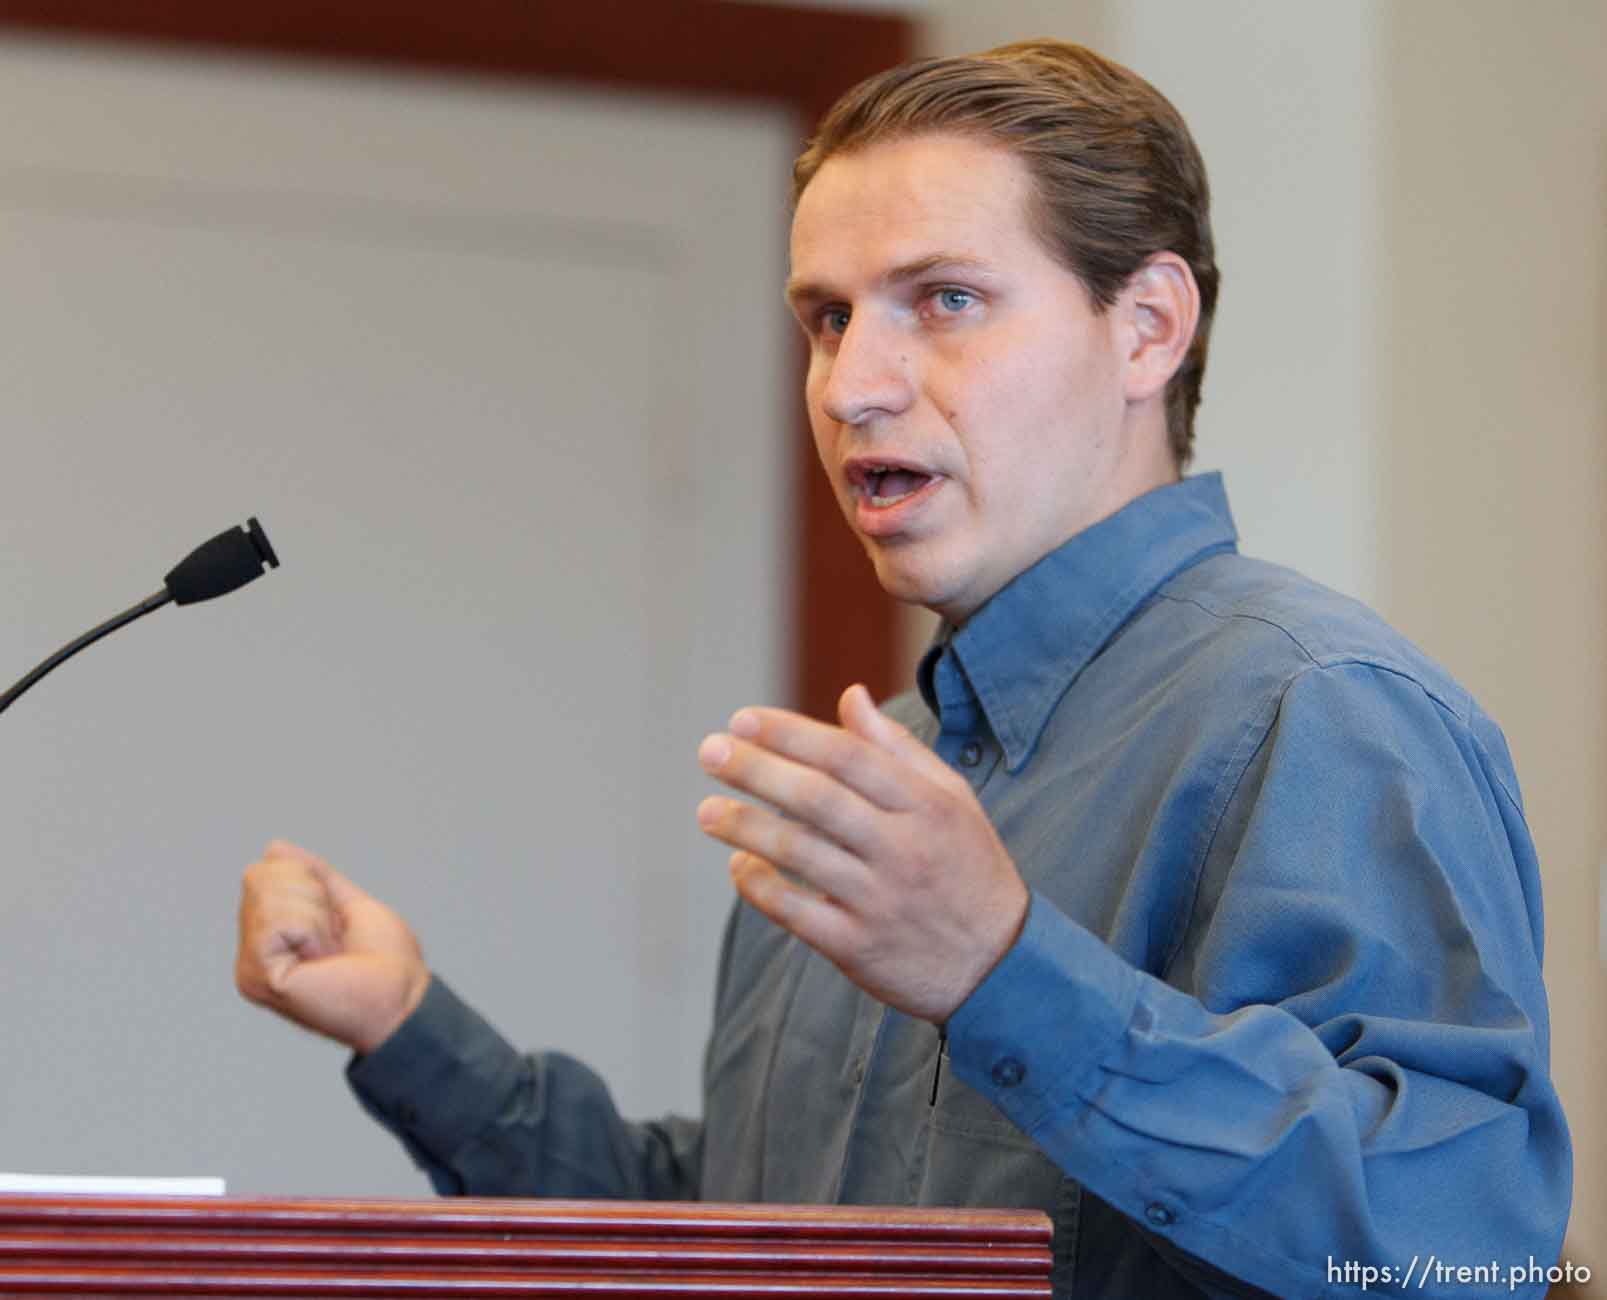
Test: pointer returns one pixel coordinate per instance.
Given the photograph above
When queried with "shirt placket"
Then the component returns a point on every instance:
(964, 740)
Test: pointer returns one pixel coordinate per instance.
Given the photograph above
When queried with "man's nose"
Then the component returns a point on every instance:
(870, 373)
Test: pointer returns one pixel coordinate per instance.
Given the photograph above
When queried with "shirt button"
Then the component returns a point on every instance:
(1008, 1072)
(971, 755)
(1159, 1215)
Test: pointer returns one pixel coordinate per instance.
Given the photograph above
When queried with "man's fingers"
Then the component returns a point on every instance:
(862, 766)
(277, 971)
(814, 798)
(286, 918)
(818, 921)
(272, 949)
(306, 932)
(276, 893)
(343, 893)
(279, 934)
(288, 870)
(319, 950)
(820, 863)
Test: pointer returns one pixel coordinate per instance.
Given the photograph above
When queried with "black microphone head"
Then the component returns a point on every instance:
(216, 567)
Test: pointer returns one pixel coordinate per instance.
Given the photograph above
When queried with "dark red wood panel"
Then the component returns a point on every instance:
(848, 629)
(117, 1246)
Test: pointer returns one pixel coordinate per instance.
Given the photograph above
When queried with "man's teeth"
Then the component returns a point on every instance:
(877, 475)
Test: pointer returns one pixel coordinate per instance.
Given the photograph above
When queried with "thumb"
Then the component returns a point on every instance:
(859, 714)
(343, 893)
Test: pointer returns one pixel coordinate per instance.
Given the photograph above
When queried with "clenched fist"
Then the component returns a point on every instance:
(321, 952)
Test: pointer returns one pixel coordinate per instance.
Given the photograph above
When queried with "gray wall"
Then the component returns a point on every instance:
(502, 373)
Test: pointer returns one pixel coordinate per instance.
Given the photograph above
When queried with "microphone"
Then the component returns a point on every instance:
(214, 568)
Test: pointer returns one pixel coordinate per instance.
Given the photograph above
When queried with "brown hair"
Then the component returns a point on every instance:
(1117, 174)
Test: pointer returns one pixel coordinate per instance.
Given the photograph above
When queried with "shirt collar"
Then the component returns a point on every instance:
(1025, 647)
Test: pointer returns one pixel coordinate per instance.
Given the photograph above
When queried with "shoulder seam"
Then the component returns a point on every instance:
(1338, 659)
(1245, 752)
(1240, 615)
(1462, 715)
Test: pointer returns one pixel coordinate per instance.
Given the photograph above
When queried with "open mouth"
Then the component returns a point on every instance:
(887, 485)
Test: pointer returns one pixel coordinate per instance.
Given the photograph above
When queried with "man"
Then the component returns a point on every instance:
(1185, 901)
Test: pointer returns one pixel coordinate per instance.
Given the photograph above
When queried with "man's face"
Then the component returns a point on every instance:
(967, 400)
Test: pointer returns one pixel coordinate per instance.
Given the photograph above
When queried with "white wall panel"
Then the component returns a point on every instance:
(502, 373)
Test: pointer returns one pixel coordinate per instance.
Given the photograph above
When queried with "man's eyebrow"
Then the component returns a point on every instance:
(799, 292)
(936, 262)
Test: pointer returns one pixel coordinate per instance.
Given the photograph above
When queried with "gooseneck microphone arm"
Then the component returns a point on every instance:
(89, 638)
(218, 566)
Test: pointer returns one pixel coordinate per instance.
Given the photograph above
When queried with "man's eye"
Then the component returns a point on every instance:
(955, 299)
(834, 320)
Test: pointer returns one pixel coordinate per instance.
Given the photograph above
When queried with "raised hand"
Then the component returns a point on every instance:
(873, 851)
(321, 952)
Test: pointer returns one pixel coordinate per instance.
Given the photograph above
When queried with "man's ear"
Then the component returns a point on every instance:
(1162, 303)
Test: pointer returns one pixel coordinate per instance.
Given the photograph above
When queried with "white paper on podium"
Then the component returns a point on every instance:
(110, 1185)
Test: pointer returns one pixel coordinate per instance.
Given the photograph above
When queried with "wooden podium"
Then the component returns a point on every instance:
(101, 1246)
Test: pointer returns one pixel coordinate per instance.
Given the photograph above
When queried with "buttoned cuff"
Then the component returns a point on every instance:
(441, 1078)
(1044, 1017)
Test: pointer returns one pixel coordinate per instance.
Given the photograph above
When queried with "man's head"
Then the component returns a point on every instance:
(1117, 174)
(993, 371)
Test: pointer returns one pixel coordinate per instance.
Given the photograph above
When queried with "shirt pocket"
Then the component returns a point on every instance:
(975, 1156)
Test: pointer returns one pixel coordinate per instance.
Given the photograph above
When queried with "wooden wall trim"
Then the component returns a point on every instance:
(846, 628)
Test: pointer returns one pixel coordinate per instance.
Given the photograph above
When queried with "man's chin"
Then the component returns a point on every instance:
(913, 584)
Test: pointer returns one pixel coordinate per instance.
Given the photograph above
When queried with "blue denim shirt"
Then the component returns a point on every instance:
(1276, 1014)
